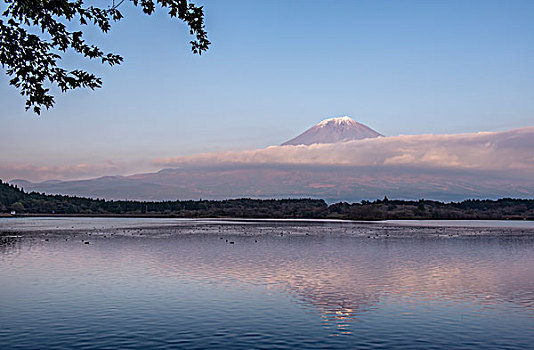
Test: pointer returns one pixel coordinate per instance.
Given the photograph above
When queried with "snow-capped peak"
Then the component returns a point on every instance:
(332, 130)
(338, 120)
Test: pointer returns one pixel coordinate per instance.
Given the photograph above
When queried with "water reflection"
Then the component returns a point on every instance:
(345, 280)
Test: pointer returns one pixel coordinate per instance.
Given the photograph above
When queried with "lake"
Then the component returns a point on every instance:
(94, 283)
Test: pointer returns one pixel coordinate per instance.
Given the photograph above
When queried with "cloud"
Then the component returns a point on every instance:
(442, 167)
(34, 172)
(485, 151)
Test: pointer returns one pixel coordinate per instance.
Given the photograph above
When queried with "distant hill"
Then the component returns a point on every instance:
(334, 130)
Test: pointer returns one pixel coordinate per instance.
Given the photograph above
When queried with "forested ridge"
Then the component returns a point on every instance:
(13, 198)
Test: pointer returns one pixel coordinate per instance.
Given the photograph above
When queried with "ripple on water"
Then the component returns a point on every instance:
(316, 286)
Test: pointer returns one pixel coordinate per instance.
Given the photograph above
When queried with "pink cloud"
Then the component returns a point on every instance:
(444, 167)
(510, 150)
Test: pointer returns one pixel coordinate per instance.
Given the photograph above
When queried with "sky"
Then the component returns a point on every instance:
(274, 69)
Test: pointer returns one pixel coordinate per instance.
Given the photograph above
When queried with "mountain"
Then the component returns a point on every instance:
(440, 167)
(334, 130)
(332, 183)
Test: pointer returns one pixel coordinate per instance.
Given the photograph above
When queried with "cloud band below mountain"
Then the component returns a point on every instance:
(442, 167)
(510, 151)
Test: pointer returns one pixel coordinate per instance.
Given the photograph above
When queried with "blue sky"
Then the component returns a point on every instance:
(276, 68)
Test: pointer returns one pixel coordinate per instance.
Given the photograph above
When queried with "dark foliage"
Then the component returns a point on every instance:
(14, 198)
(34, 34)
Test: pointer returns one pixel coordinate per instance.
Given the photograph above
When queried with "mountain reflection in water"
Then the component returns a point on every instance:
(345, 277)
(349, 281)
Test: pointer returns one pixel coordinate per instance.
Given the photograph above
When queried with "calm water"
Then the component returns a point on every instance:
(156, 283)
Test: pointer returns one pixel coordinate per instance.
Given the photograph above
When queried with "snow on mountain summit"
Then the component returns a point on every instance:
(338, 120)
(334, 130)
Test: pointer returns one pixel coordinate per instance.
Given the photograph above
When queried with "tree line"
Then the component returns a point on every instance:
(15, 199)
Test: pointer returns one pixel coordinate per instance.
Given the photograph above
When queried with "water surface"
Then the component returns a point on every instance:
(167, 283)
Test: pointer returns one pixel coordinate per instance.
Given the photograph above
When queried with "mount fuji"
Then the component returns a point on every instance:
(334, 130)
(336, 166)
